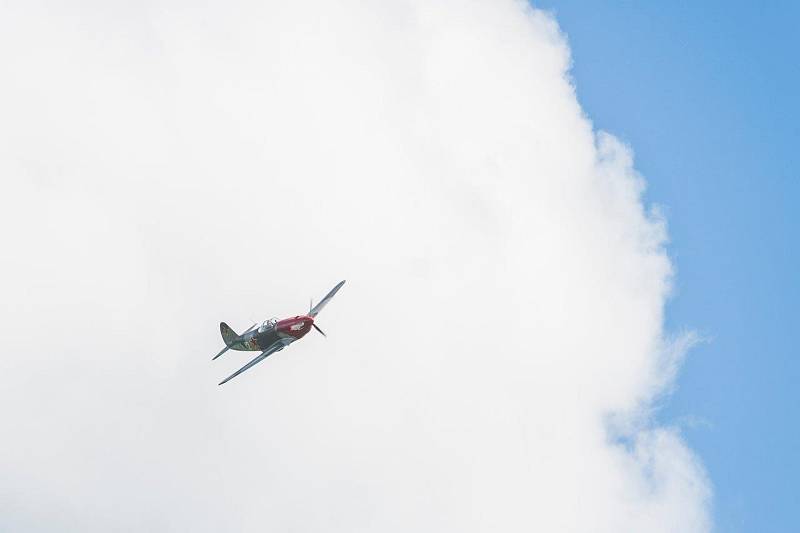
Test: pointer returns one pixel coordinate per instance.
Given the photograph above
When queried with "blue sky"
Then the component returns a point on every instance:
(707, 96)
(432, 155)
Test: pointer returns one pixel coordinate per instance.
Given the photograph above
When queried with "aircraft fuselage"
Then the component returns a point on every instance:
(295, 327)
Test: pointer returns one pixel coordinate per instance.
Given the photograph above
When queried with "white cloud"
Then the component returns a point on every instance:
(490, 364)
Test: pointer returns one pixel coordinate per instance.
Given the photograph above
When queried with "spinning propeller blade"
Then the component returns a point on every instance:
(317, 328)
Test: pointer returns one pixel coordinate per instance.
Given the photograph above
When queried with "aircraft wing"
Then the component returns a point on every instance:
(276, 347)
(317, 308)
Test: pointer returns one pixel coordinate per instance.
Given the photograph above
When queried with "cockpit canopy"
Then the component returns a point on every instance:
(267, 325)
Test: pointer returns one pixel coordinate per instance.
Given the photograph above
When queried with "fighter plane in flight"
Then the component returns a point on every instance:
(272, 335)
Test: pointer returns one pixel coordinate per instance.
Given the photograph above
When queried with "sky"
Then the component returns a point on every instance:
(706, 95)
(562, 281)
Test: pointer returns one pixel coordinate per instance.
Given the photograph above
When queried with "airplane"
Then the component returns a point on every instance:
(272, 335)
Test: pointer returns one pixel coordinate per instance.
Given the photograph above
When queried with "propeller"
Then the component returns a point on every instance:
(317, 328)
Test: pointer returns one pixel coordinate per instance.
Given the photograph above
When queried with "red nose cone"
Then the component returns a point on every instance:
(295, 327)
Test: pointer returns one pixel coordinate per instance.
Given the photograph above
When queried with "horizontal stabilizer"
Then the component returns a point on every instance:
(225, 349)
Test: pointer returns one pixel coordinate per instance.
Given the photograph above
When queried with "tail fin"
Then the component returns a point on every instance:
(228, 335)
